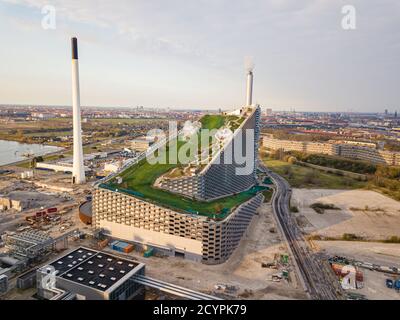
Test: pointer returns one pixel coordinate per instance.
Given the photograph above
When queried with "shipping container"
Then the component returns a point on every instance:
(148, 253)
(119, 246)
(52, 210)
(41, 213)
(128, 248)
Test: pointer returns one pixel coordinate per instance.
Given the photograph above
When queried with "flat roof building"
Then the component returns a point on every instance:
(91, 275)
(142, 143)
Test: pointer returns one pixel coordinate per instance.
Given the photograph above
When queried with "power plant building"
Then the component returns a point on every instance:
(198, 211)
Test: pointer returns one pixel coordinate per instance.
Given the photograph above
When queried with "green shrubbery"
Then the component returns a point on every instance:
(356, 166)
(321, 207)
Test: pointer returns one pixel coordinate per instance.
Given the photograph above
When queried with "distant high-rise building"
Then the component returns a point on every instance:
(395, 114)
(78, 172)
(269, 112)
(386, 111)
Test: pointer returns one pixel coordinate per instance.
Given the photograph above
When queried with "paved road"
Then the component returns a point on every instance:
(314, 273)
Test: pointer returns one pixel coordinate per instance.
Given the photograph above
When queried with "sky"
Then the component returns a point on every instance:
(192, 53)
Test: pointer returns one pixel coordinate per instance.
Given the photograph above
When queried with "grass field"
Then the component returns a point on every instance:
(303, 177)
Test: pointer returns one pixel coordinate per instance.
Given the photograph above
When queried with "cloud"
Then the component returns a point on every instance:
(298, 46)
(134, 24)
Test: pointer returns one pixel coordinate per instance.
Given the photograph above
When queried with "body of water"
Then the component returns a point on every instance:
(12, 151)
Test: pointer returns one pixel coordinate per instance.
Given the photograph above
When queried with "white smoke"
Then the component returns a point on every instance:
(248, 63)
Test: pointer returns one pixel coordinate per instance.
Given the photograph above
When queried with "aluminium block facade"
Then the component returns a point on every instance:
(220, 178)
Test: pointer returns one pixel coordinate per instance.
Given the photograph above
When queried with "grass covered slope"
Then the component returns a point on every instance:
(138, 180)
(211, 122)
(141, 177)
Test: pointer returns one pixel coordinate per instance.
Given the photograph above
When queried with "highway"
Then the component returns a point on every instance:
(315, 275)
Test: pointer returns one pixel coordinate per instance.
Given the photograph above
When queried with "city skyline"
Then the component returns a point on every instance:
(135, 53)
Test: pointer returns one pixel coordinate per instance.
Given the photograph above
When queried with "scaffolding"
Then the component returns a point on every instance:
(34, 244)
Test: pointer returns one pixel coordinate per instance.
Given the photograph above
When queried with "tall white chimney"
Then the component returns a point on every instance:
(78, 172)
(249, 94)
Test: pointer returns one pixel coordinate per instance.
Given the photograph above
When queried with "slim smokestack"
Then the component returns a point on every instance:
(78, 172)
(249, 94)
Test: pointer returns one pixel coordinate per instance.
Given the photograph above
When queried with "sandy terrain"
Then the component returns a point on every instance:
(365, 213)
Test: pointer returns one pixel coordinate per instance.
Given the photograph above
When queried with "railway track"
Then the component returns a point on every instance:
(314, 273)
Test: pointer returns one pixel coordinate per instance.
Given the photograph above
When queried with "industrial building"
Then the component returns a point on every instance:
(86, 274)
(29, 244)
(85, 212)
(193, 218)
(33, 245)
(3, 283)
(21, 200)
(142, 143)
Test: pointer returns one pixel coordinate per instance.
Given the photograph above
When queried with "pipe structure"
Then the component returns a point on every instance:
(78, 172)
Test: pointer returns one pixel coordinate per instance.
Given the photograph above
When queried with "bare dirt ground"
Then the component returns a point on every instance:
(364, 213)
(10, 220)
(242, 270)
(384, 254)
